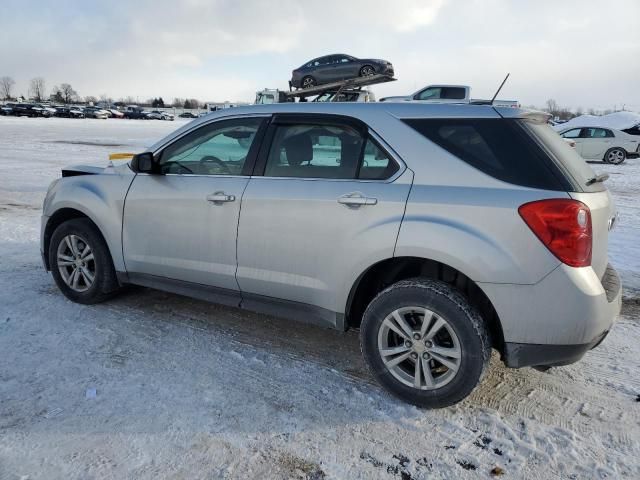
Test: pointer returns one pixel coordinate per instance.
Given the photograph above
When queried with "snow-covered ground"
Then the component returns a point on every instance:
(186, 389)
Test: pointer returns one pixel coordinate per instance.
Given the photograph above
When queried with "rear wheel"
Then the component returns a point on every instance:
(615, 156)
(425, 343)
(308, 82)
(81, 263)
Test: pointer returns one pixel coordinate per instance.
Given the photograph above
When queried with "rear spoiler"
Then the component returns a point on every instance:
(531, 115)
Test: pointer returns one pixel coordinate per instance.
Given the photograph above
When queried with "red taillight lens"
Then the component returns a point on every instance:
(564, 226)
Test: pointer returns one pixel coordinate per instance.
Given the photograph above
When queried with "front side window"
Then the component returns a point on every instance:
(575, 133)
(220, 148)
(429, 94)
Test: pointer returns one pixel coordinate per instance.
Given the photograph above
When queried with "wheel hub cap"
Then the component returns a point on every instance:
(76, 264)
(419, 348)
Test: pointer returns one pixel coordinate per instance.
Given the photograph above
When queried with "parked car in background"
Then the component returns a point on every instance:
(116, 113)
(94, 112)
(329, 213)
(30, 110)
(6, 109)
(606, 144)
(446, 94)
(69, 112)
(332, 68)
(135, 112)
(46, 107)
(187, 115)
(160, 115)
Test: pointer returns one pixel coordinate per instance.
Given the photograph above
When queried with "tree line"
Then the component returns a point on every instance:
(65, 94)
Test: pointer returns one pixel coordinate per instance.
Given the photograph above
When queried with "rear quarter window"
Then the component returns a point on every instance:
(564, 155)
(501, 148)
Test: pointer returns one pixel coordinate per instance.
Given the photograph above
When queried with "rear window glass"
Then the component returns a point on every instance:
(498, 147)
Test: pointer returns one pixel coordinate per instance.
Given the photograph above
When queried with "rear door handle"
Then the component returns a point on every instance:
(220, 197)
(356, 200)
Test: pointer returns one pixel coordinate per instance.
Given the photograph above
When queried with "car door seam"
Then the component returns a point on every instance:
(235, 276)
(124, 204)
(404, 211)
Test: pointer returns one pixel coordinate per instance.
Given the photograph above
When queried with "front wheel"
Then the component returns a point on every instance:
(81, 263)
(615, 156)
(425, 343)
(367, 71)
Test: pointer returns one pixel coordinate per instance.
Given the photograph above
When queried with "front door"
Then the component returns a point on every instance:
(181, 223)
(330, 202)
(595, 142)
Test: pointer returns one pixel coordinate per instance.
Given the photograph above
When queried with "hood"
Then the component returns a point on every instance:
(110, 169)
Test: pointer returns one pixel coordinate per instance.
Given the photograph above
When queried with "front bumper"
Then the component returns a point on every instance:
(557, 320)
(43, 225)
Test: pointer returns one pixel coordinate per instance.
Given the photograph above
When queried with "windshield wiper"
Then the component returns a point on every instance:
(597, 179)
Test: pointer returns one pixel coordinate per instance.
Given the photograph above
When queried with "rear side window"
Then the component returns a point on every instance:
(498, 147)
(326, 151)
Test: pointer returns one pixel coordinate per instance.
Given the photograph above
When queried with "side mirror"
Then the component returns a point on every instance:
(144, 163)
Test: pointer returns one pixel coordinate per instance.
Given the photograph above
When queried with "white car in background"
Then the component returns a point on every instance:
(606, 144)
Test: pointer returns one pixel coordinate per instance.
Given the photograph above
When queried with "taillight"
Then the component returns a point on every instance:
(564, 226)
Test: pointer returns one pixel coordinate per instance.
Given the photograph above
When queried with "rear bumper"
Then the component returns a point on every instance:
(557, 320)
(517, 355)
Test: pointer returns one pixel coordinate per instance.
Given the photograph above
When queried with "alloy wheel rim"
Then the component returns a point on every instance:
(616, 156)
(76, 263)
(308, 82)
(419, 348)
(367, 71)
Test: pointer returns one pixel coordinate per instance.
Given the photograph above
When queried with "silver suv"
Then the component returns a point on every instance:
(439, 231)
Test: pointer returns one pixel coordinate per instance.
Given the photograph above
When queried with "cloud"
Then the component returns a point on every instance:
(223, 49)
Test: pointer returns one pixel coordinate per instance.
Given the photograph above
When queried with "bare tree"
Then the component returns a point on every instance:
(37, 89)
(579, 111)
(67, 92)
(552, 106)
(90, 99)
(6, 85)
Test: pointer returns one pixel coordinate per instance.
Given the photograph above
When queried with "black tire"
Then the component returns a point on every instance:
(308, 82)
(367, 71)
(449, 304)
(615, 156)
(105, 283)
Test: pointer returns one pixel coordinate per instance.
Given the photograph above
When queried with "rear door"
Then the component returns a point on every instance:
(327, 201)
(181, 224)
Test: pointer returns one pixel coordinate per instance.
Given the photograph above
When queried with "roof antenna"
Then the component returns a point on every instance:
(500, 88)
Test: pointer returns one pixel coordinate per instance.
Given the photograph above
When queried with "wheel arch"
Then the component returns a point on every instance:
(58, 218)
(391, 270)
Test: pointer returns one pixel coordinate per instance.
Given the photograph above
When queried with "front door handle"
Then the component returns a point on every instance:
(356, 200)
(220, 197)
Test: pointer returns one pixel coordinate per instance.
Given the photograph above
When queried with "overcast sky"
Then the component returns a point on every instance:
(579, 52)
